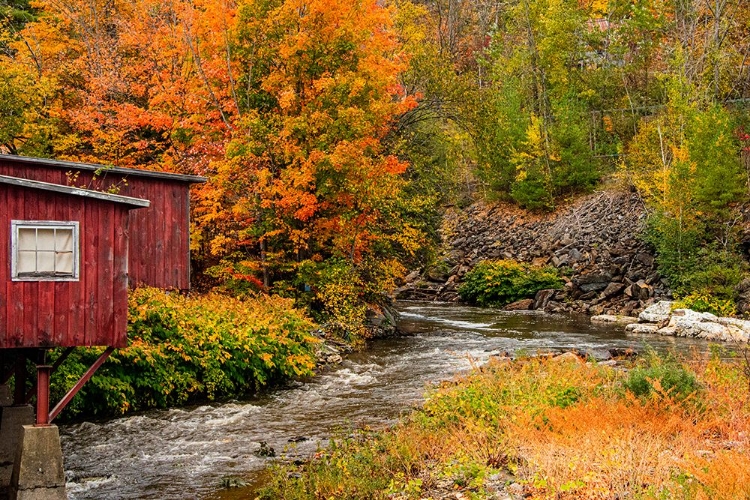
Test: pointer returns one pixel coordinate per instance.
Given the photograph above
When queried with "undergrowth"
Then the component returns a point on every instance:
(560, 429)
(184, 349)
(497, 283)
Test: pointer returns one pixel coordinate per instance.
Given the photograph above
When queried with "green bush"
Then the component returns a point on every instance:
(705, 301)
(661, 375)
(184, 349)
(338, 293)
(497, 283)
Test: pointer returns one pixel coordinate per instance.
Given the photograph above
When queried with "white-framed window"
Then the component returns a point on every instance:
(44, 250)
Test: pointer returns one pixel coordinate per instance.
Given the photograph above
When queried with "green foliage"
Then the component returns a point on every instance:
(184, 349)
(685, 162)
(559, 429)
(703, 301)
(533, 131)
(497, 283)
(657, 376)
(339, 293)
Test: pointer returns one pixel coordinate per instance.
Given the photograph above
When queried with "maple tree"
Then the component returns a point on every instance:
(306, 175)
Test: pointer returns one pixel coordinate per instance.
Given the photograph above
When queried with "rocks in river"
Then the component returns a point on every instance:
(264, 450)
(381, 319)
(594, 243)
(656, 313)
(520, 305)
(641, 328)
(330, 352)
(661, 320)
(543, 298)
(612, 319)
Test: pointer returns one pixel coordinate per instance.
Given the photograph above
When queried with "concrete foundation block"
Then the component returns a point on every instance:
(6, 397)
(12, 420)
(38, 469)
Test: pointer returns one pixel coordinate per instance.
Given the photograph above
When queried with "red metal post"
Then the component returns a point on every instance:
(32, 392)
(77, 387)
(42, 395)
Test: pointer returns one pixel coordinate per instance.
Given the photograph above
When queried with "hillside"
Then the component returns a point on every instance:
(593, 241)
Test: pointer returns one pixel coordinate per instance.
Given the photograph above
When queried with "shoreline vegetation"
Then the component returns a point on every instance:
(557, 427)
(185, 349)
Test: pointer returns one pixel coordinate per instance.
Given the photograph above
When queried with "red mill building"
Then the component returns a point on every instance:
(71, 254)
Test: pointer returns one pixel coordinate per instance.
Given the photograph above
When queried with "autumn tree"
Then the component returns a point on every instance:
(306, 176)
(685, 161)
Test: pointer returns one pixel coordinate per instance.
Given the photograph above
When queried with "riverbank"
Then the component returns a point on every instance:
(558, 427)
(594, 242)
(195, 451)
(200, 348)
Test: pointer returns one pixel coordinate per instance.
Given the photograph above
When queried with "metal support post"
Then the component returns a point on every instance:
(42, 395)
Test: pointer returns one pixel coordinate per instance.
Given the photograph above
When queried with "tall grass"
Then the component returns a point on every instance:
(559, 430)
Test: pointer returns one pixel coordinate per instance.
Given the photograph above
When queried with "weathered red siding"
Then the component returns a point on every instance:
(91, 311)
(159, 235)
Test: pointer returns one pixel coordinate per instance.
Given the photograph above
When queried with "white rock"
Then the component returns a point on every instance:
(740, 328)
(667, 331)
(641, 328)
(656, 313)
(690, 315)
(688, 323)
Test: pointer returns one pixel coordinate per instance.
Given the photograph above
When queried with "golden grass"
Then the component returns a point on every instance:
(561, 430)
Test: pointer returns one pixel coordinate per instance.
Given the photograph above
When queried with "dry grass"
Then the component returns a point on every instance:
(559, 429)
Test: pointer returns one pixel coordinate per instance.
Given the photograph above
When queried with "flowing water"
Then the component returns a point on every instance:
(194, 452)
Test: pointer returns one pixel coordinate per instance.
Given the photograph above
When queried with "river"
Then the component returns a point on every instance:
(193, 452)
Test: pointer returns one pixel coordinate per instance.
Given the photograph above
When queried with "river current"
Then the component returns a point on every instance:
(195, 452)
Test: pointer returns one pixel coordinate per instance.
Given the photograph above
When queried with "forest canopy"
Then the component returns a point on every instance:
(332, 132)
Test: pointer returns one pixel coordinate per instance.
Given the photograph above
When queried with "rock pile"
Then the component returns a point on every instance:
(662, 320)
(593, 242)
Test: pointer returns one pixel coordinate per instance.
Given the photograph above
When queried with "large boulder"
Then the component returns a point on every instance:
(687, 323)
(641, 328)
(593, 282)
(656, 313)
(520, 305)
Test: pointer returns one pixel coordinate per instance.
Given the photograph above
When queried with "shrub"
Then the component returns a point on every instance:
(184, 349)
(558, 429)
(497, 283)
(661, 376)
(339, 292)
(705, 301)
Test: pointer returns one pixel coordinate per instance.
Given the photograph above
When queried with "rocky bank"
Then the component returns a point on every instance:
(662, 319)
(593, 241)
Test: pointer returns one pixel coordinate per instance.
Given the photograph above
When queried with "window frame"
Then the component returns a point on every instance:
(16, 225)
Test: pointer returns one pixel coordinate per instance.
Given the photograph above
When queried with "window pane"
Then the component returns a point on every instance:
(45, 250)
(45, 262)
(64, 263)
(26, 262)
(64, 239)
(26, 239)
(45, 239)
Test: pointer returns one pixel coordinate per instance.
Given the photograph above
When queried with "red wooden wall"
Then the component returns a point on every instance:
(159, 235)
(91, 311)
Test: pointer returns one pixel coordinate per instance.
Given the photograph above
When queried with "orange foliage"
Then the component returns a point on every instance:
(283, 103)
